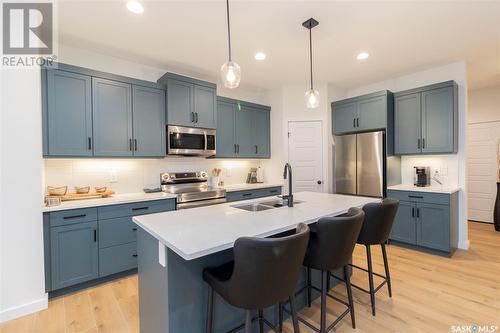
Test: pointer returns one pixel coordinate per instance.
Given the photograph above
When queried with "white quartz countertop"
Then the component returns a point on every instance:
(114, 200)
(141, 196)
(194, 233)
(431, 189)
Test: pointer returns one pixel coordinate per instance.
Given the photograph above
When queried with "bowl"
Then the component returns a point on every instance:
(101, 189)
(82, 189)
(57, 191)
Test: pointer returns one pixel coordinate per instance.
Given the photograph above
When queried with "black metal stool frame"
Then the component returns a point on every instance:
(324, 291)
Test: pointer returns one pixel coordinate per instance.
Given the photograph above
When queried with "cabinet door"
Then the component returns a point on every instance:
(69, 114)
(343, 117)
(148, 121)
(112, 115)
(74, 254)
(205, 106)
(180, 108)
(404, 228)
(372, 114)
(437, 120)
(407, 124)
(244, 131)
(433, 226)
(262, 131)
(225, 141)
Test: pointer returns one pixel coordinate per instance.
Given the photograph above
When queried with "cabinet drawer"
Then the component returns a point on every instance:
(252, 194)
(138, 208)
(265, 192)
(73, 216)
(117, 259)
(117, 231)
(412, 196)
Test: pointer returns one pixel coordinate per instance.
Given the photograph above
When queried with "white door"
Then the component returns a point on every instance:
(305, 155)
(482, 143)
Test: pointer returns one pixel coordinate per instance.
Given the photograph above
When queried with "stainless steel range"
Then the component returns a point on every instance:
(192, 189)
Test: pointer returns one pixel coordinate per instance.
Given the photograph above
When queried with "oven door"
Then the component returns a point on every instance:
(190, 141)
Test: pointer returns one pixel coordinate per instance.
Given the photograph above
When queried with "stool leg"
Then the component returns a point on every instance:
(370, 277)
(248, 322)
(280, 317)
(386, 266)
(210, 310)
(308, 284)
(328, 280)
(295, 319)
(324, 277)
(261, 321)
(347, 280)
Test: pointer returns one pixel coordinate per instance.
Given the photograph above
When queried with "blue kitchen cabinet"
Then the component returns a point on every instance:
(68, 113)
(245, 133)
(74, 254)
(226, 113)
(427, 221)
(262, 128)
(112, 118)
(253, 194)
(426, 120)
(148, 105)
(363, 113)
(190, 102)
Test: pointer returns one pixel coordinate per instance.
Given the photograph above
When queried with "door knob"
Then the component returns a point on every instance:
(320, 182)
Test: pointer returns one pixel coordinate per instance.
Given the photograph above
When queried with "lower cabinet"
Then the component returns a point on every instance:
(252, 194)
(426, 220)
(82, 245)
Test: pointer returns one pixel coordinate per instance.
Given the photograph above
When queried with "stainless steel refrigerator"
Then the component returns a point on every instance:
(359, 164)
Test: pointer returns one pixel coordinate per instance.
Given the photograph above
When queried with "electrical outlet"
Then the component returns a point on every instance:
(113, 177)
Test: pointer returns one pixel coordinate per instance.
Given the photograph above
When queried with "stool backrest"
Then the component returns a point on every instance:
(333, 239)
(379, 218)
(266, 270)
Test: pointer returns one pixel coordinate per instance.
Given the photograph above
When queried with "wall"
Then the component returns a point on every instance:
(21, 243)
(484, 105)
(452, 166)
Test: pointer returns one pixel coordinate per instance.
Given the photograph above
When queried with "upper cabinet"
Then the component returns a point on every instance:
(190, 102)
(89, 113)
(243, 129)
(363, 113)
(426, 120)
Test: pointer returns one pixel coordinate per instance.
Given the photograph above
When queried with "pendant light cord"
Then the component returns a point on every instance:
(311, 56)
(228, 28)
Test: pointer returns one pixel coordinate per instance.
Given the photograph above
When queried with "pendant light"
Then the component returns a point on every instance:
(312, 95)
(230, 71)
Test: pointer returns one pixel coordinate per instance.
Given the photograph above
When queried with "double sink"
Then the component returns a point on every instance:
(265, 205)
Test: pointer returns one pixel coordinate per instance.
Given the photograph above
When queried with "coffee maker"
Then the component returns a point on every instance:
(422, 176)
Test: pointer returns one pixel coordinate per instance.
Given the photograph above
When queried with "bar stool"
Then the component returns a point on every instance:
(265, 272)
(330, 247)
(379, 218)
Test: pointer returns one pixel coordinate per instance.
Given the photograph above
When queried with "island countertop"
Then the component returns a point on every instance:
(194, 233)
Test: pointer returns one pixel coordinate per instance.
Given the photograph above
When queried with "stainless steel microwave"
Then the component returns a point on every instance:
(190, 141)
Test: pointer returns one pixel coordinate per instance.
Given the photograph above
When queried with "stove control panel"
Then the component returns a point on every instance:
(183, 177)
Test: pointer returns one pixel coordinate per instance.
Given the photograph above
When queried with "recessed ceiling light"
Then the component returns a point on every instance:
(260, 56)
(362, 56)
(135, 7)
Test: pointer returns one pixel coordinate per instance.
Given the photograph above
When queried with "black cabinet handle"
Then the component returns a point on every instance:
(353, 122)
(247, 194)
(134, 255)
(418, 143)
(413, 212)
(273, 191)
(134, 229)
(95, 235)
(135, 144)
(90, 143)
(130, 144)
(416, 196)
(256, 149)
(196, 117)
(418, 212)
(192, 117)
(74, 217)
(140, 208)
(423, 143)
(357, 122)
(235, 148)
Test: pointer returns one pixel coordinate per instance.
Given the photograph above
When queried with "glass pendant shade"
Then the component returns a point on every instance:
(231, 74)
(312, 99)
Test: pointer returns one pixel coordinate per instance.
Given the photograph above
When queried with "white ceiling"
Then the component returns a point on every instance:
(401, 37)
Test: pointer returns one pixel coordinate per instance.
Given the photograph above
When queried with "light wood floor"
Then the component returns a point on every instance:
(430, 294)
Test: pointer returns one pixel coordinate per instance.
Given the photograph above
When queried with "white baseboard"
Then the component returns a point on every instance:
(24, 309)
(464, 245)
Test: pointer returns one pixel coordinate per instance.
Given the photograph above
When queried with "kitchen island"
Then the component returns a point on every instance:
(174, 248)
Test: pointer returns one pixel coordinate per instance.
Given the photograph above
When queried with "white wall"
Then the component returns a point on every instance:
(454, 166)
(484, 105)
(21, 236)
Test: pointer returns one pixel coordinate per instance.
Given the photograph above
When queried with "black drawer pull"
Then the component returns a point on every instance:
(74, 217)
(413, 212)
(134, 255)
(140, 208)
(273, 191)
(247, 194)
(418, 212)
(95, 235)
(134, 229)
(416, 196)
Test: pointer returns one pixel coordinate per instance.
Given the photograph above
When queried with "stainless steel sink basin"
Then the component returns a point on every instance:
(265, 205)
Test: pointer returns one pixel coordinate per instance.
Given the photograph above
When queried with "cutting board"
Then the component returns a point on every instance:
(90, 195)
